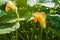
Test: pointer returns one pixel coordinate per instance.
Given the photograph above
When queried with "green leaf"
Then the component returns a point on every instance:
(10, 17)
(7, 28)
(54, 20)
(21, 2)
(2, 2)
(2, 13)
(27, 15)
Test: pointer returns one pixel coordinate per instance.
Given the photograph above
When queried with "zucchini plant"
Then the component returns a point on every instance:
(22, 21)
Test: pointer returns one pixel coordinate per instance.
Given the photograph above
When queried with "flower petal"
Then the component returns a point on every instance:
(41, 18)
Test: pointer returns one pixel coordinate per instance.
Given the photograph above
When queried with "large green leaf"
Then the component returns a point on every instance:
(2, 13)
(10, 17)
(2, 2)
(7, 28)
(55, 20)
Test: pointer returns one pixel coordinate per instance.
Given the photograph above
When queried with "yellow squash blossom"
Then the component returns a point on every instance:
(10, 6)
(41, 18)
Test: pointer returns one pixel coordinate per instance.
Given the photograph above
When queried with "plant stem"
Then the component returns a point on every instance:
(17, 16)
(41, 31)
(17, 21)
(33, 32)
(16, 34)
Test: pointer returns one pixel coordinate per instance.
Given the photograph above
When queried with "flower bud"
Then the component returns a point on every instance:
(10, 6)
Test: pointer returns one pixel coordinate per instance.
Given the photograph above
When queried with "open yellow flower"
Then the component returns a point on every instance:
(10, 6)
(41, 18)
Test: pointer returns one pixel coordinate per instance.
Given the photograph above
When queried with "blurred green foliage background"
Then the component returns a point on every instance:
(26, 29)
